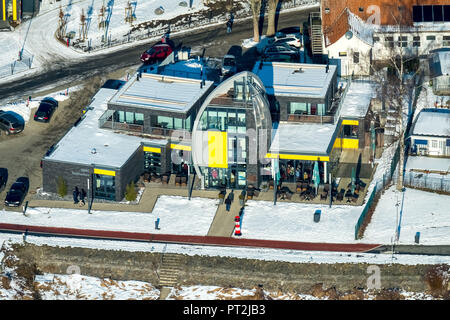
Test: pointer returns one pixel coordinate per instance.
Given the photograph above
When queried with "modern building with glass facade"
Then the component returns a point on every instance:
(299, 92)
(231, 133)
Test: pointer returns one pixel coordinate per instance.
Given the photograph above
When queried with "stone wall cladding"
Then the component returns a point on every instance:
(74, 175)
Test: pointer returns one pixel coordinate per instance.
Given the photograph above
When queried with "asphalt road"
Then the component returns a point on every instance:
(214, 40)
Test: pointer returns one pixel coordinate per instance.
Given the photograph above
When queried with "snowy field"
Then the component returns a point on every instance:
(294, 222)
(424, 212)
(175, 214)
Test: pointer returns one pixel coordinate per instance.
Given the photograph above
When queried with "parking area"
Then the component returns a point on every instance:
(21, 153)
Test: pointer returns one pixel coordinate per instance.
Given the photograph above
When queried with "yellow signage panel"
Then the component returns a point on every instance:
(14, 5)
(217, 149)
(151, 149)
(297, 157)
(350, 122)
(180, 147)
(4, 9)
(346, 143)
(105, 172)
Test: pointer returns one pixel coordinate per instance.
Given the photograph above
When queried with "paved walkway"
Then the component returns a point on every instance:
(186, 239)
(223, 223)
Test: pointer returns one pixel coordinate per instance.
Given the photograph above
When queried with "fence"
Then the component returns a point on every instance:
(429, 181)
(182, 25)
(379, 185)
(17, 66)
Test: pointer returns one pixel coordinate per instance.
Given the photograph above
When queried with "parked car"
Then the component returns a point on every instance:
(3, 178)
(10, 124)
(159, 51)
(229, 64)
(281, 48)
(292, 40)
(17, 192)
(45, 110)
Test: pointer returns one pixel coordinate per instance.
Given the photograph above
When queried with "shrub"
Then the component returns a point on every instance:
(130, 192)
(61, 187)
(437, 279)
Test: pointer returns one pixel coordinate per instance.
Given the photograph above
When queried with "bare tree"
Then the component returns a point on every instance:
(273, 4)
(256, 10)
(394, 90)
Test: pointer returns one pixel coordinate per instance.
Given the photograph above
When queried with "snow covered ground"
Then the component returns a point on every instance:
(175, 214)
(424, 212)
(37, 36)
(294, 222)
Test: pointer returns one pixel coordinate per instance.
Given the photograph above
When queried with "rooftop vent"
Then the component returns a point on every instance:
(94, 151)
(299, 70)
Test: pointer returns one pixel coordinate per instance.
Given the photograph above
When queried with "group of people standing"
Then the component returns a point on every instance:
(79, 197)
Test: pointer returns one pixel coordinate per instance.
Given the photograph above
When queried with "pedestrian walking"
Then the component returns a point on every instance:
(76, 193)
(82, 197)
(229, 23)
(228, 203)
(231, 195)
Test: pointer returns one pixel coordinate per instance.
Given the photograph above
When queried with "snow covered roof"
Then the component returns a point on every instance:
(357, 100)
(432, 122)
(295, 79)
(112, 149)
(303, 138)
(191, 68)
(161, 92)
(428, 163)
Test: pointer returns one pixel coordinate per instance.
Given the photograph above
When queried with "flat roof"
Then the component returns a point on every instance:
(112, 149)
(428, 163)
(357, 100)
(303, 138)
(432, 122)
(161, 92)
(295, 79)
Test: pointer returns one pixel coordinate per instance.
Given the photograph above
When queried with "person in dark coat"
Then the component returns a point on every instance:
(231, 195)
(228, 203)
(76, 193)
(82, 197)
(229, 23)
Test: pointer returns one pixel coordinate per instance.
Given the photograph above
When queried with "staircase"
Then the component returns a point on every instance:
(170, 266)
(316, 33)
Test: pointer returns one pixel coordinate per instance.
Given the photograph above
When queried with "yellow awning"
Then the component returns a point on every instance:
(152, 149)
(180, 147)
(297, 157)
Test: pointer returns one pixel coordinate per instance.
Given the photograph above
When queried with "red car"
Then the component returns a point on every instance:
(158, 52)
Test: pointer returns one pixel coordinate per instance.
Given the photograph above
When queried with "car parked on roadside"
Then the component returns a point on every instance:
(281, 57)
(291, 40)
(229, 66)
(281, 48)
(10, 123)
(159, 51)
(3, 178)
(45, 110)
(17, 192)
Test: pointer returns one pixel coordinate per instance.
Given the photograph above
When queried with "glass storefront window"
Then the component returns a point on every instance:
(350, 131)
(321, 109)
(165, 122)
(152, 162)
(129, 117)
(204, 121)
(213, 119)
(178, 123)
(121, 116)
(139, 118)
(187, 123)
(298, 108)
(222, 120)
(105, 187)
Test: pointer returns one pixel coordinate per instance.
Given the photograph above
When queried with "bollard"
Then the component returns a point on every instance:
(317, 216)
(417, 237)
(237, 229)
(157, 224)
